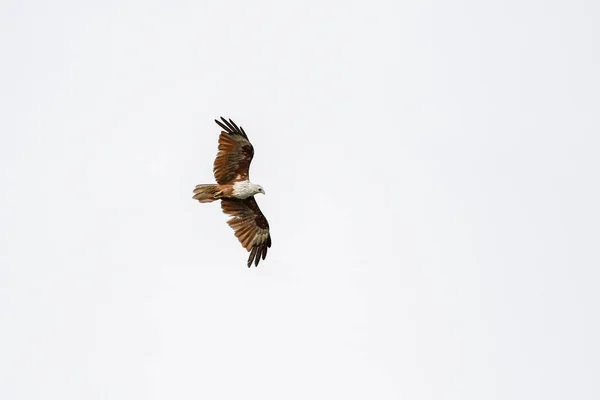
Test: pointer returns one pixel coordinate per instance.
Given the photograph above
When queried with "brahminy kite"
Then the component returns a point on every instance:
(236, 192)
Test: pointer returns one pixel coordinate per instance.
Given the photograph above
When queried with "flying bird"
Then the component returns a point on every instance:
(236, 192)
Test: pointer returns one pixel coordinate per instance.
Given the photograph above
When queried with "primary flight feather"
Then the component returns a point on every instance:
(236, 192)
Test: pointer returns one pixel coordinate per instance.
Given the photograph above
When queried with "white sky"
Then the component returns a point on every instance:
(431, 171)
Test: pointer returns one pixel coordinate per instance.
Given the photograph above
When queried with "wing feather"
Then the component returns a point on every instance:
(250, 227)
(235, 154)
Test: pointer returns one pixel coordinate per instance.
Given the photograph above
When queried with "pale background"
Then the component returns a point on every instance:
(431, 171)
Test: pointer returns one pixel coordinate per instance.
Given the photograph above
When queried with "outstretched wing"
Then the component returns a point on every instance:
(250, 226)
(235, 154)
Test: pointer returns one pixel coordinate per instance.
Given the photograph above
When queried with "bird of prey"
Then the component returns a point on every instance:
(236, 192)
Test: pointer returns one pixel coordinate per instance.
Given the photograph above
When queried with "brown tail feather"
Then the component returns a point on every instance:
(206, 193)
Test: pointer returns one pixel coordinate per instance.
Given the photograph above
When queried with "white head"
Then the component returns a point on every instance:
(245, 189)
(258, 189)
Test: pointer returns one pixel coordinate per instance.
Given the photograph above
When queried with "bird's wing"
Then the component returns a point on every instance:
(250, 226)
(235, 154)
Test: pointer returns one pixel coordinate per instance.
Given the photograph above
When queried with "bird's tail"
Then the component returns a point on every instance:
(206, 193)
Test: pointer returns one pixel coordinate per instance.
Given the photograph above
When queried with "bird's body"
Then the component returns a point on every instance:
(236, 192)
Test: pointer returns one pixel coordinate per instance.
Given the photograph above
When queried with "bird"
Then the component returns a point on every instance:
(236, 192)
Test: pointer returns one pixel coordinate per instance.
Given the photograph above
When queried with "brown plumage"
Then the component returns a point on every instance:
(250, 226)
(236, 192)
(235, 154)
